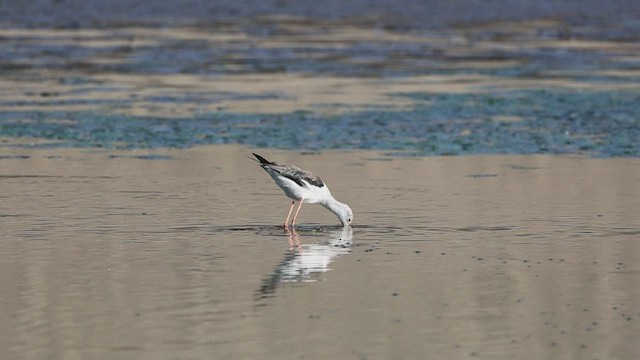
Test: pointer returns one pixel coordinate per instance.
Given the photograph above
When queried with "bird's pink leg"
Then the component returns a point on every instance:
(293, 222)
(286, 222)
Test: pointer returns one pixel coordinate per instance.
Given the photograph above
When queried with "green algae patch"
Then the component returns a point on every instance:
(600, 124)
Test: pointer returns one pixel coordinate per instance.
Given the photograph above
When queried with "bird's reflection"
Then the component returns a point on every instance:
(306, 262)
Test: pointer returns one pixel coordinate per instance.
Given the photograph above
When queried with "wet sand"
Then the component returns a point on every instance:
(177, 254)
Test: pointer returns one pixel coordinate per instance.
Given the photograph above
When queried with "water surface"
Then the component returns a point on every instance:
(559, 85)
(178, 254)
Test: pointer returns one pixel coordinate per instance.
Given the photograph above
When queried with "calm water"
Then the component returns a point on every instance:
(177, 254)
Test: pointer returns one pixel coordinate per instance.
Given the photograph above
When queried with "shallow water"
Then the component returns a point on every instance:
(515, 86)
(178, 254)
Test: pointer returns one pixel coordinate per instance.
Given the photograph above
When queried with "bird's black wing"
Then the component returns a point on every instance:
(291, 172)
(296, 174)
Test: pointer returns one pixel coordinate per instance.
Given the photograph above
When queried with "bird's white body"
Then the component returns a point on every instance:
(305, 186)
(309, 193)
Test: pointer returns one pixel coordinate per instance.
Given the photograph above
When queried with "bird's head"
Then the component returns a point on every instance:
(345, 215)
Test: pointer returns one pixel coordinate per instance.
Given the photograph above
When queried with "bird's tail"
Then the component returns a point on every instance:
(263, 161)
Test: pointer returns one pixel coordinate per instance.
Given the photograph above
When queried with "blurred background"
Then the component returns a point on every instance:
(410, 77)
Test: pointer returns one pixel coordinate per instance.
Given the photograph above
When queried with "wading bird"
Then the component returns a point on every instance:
(304, 186)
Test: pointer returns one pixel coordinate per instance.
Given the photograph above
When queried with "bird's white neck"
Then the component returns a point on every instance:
(332, 205)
